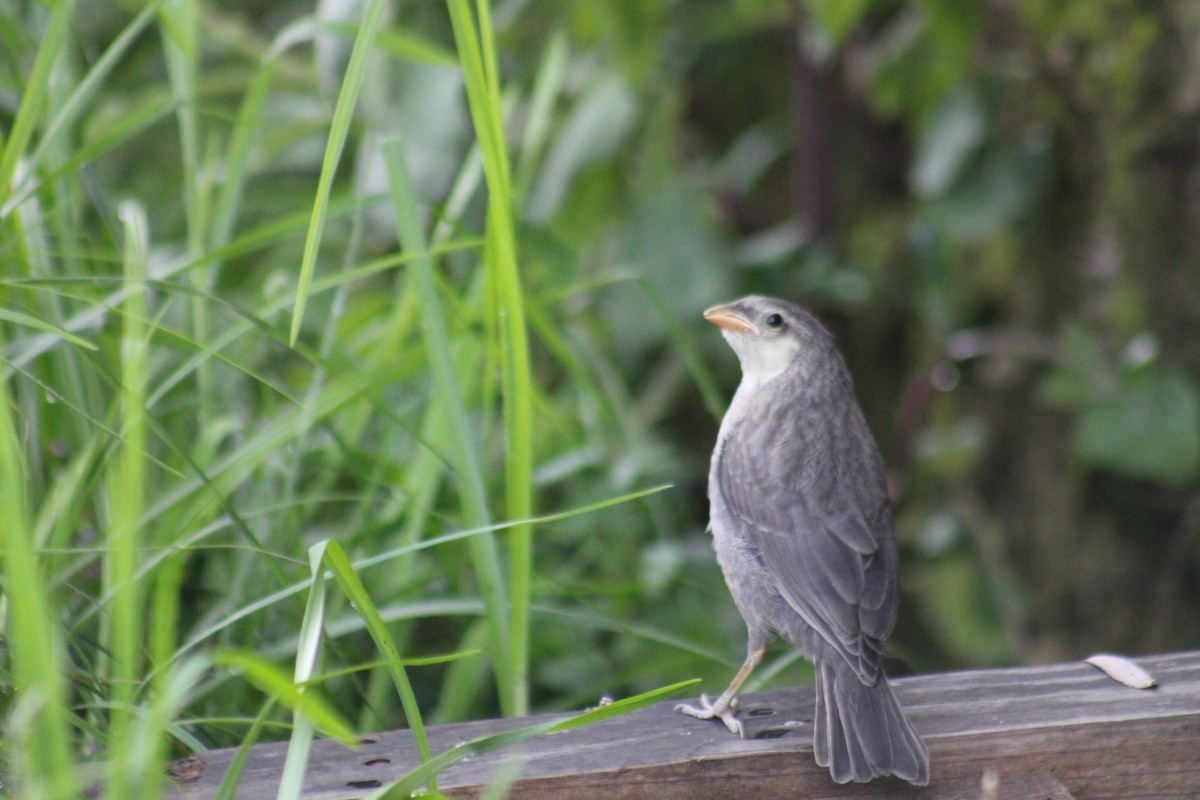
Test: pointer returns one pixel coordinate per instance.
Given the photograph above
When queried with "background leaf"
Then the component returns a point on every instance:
(1149, 430)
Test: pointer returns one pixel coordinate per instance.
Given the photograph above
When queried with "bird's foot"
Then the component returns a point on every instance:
(722, 710)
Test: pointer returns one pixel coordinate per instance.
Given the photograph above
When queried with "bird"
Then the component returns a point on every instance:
(802, 528)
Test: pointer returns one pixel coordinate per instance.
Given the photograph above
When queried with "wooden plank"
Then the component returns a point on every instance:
(1058, 731)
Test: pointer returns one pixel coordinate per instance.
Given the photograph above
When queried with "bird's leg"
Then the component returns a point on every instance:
(726, 706)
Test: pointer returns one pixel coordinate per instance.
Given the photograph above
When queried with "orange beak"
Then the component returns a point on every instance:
(727, 317)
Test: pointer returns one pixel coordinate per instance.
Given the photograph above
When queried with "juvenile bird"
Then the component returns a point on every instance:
(802, 528)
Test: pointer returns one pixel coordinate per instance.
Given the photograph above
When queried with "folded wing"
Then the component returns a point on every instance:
(808, 495)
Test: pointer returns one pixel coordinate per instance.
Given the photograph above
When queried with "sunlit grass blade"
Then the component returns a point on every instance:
(308, 650)
(123, 626)
(172, 687)
(468, 472)
(476, 51)
(423, 661)
(280, 687)
(37, 742)
(404, 787)
(178, 24)
(323, 555)
(343, 115)
(334, 557)
(36, 87)
(30, 321)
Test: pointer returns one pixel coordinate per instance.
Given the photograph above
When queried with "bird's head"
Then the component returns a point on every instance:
(770, 336)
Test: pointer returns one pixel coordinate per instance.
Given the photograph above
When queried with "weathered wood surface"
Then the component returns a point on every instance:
(1060, 731)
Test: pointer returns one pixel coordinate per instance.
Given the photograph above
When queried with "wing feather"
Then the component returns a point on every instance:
(807, 493)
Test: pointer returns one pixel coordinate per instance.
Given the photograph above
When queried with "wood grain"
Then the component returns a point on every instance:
(1058, 731)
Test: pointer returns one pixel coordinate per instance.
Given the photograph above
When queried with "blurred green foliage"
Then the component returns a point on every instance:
(992, 204)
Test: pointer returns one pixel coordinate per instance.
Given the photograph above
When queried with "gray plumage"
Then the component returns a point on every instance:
(802, 529)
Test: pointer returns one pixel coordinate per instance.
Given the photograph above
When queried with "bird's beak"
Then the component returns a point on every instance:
(727, 317)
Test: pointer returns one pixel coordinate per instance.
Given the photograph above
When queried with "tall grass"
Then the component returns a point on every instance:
(252, 344)
(37, 742)
(477, 54)
(122, 627)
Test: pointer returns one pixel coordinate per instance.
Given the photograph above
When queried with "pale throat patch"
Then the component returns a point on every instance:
(762, 359)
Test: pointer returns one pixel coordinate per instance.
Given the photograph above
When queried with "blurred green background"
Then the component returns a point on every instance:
(994, 205)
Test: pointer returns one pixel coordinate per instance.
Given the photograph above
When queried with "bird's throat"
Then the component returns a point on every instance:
(762, 360)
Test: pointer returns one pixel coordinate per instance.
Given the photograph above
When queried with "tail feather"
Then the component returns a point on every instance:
(860, 731)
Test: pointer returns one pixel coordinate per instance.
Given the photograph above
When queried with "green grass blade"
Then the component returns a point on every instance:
(468, 472)
(36, 88)
(343, 115)
(178, 24)
(171, 687)
(41, 325)
(123, 625)
(476, 49)
(334, 557)
(37, 743)
(308, 650)
(300, 697)
(310, 717)
(425, 661)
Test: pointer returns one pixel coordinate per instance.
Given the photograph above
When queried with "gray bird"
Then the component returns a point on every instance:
(802, 528)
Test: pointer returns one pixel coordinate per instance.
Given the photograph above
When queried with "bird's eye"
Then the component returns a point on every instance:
(775, 321)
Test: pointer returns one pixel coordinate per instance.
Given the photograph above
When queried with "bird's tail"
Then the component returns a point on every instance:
(860, 731)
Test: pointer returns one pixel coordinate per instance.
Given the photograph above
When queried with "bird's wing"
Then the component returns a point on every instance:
(808, 495)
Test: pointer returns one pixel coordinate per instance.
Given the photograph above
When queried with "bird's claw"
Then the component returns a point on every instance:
(724, 711)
